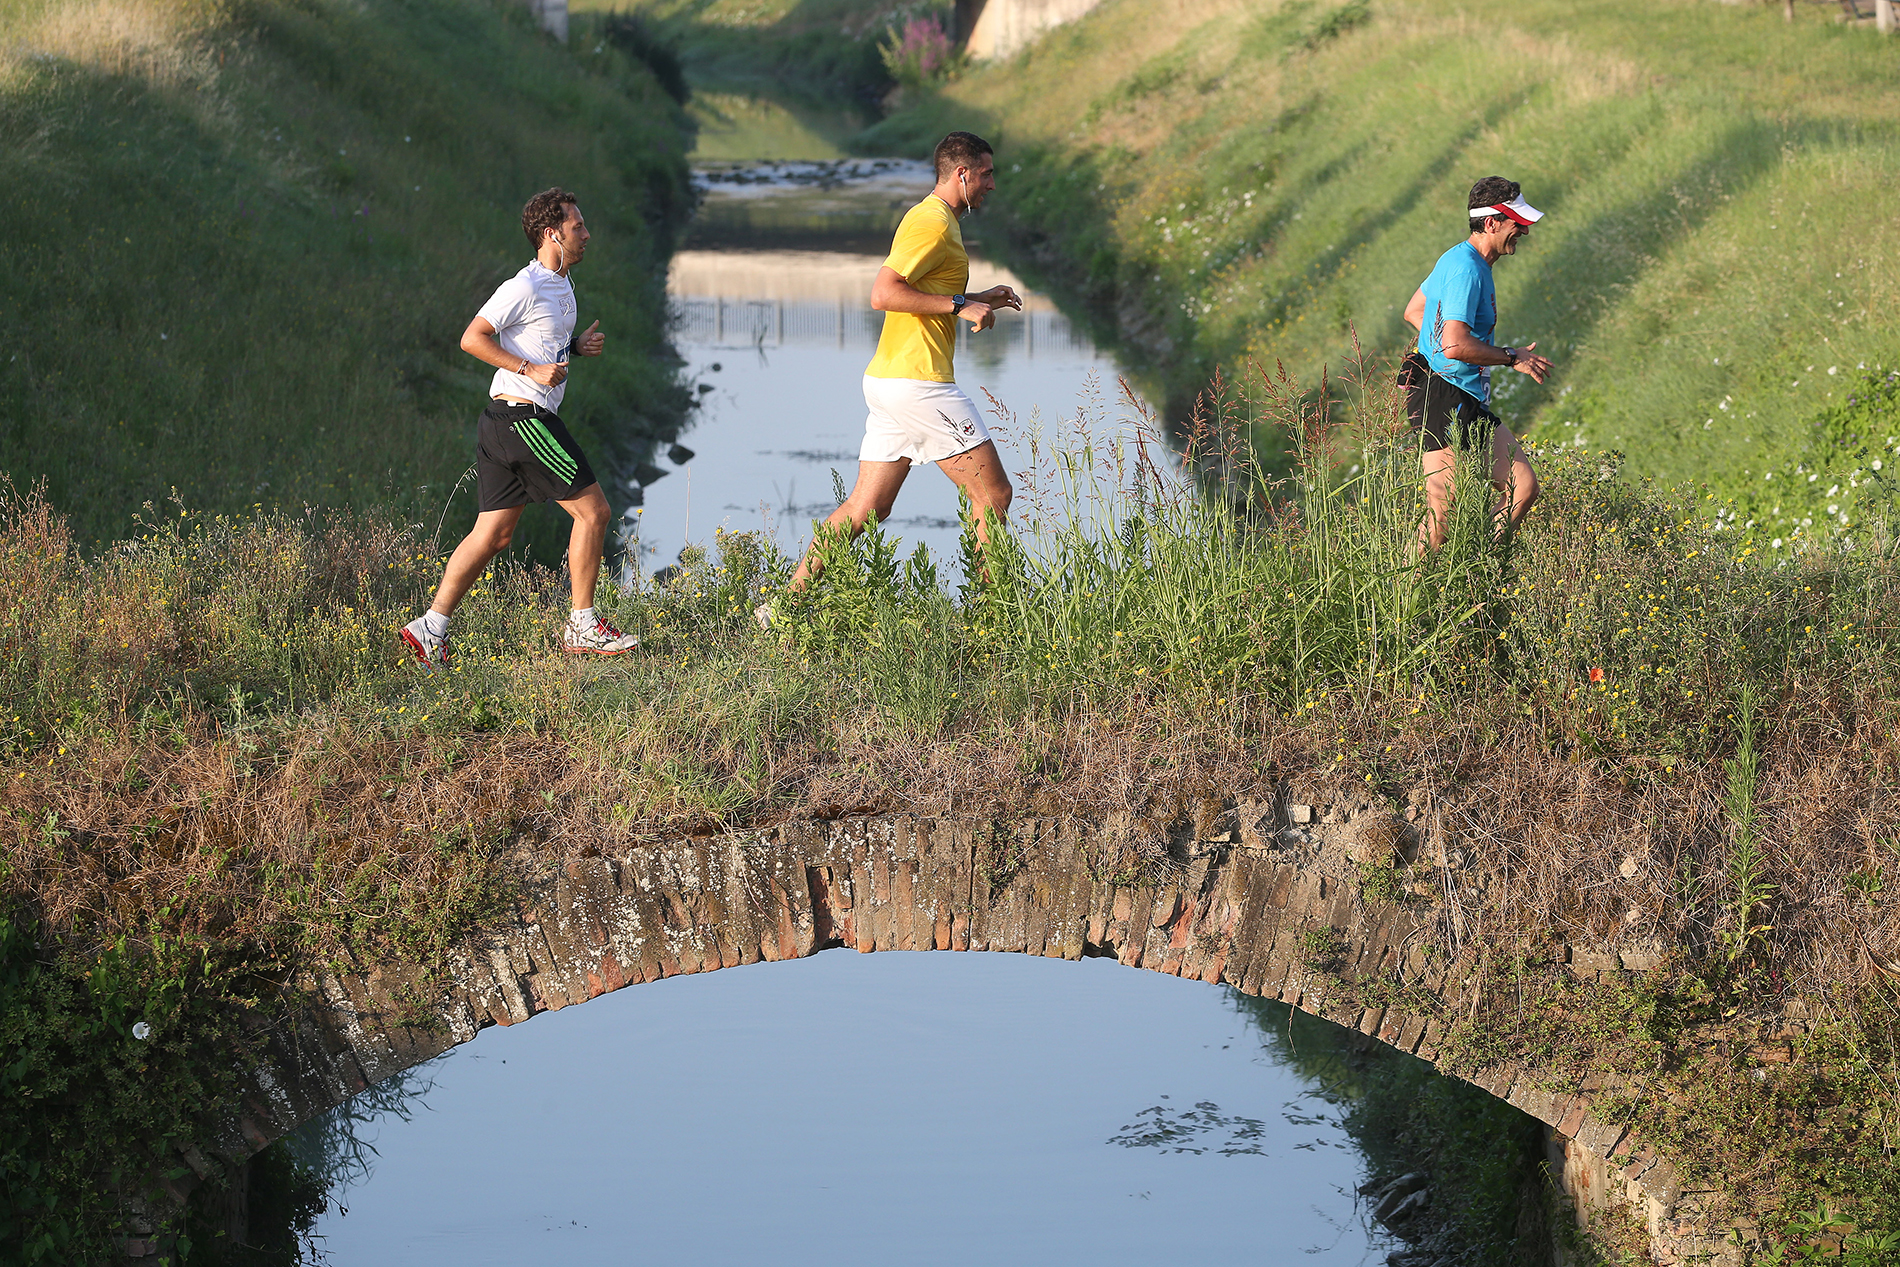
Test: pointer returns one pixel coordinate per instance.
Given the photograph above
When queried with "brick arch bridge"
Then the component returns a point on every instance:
(1239, 898)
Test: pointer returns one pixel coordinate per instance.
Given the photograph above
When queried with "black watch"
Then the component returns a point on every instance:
(957, 302)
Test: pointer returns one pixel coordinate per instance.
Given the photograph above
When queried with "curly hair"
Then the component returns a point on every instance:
(1490, 192)
(959, 149)
(546, 210)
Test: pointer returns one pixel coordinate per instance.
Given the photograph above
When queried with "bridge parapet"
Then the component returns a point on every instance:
(1283, 900)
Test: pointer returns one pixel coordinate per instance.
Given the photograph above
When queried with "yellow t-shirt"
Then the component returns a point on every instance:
(928, 253)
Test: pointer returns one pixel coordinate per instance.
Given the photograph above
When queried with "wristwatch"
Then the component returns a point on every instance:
(1510, 356)
(956, 304)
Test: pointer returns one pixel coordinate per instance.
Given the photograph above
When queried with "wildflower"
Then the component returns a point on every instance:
(1596, 675)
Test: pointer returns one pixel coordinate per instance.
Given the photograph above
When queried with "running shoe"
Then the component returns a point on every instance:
(426, 647)
(599, 638)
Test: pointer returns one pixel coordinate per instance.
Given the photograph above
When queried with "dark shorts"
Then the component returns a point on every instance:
(1443, 410)
(524, 454)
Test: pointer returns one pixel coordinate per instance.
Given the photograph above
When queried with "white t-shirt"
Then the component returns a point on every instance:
(533, 315)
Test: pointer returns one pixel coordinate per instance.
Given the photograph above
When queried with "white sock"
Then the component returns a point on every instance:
(436, 623)
(583, 618)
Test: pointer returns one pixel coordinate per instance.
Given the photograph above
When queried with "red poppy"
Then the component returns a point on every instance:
(1596, 675)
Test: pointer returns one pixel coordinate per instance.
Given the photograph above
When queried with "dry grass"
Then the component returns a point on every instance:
(212, 740)
(159, 42)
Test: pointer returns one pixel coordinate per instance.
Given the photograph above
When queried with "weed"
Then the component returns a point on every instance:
(1381, 884)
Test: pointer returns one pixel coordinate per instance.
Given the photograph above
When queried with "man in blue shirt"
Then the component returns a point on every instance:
(1447, 379)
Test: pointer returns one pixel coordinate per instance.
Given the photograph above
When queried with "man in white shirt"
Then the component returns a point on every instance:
(523, 450)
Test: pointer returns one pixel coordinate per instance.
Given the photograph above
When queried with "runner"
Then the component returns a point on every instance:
(1447, 379)
(917, 411)
(523, 451)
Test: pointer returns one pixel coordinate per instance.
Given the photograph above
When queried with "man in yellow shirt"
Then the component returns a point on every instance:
(917, 411)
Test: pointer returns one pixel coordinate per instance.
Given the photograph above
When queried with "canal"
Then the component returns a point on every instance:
(917, 1108)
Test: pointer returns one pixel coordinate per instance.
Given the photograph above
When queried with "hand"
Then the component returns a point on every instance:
(1000, 297)
(590, 342)
(1536, 366)
(980, 316)
(553, 374)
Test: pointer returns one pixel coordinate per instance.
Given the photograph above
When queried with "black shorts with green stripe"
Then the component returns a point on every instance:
(524, 454)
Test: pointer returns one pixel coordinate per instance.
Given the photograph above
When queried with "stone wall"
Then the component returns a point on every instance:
(999, 29)
(1236, 898)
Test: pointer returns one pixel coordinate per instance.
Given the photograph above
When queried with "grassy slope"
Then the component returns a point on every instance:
(815, 49)
(243, 240)
(1220, 181)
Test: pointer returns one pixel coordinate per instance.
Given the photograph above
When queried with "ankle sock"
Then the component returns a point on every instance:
(583, 618)
(436, 623)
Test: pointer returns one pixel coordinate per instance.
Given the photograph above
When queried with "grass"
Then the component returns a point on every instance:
(1240, 182)
(240, 763)
(806, 53)
(245, 238)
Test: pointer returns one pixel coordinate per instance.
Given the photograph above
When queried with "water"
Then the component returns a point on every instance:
(922, 1108)
(926, 1108)
(771, 303)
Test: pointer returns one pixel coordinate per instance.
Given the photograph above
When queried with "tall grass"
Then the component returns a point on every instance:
(214, 747)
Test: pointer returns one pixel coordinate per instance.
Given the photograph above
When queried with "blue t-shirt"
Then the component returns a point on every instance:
(1459, 289)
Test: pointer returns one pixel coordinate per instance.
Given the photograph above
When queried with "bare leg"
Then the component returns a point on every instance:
(979, 473)
(1511, 474)
(1440, 467)
(586, 541)
(492, 532)
(874, 494)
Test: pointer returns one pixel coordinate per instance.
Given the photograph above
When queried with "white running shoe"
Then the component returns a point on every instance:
(598, 638)
(431, 650)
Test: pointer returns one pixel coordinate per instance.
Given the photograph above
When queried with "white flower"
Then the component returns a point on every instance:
(1833, 508)
(1833, 369)
(1777, 543)
(141, 1031)
(1876, 464)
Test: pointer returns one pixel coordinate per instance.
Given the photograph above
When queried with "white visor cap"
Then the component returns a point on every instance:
(1517, 209)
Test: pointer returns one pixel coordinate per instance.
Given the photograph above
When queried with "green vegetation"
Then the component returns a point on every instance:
(1491, 1202)
(244, 239)
(241, 765)
(1688, 1057)
(216, 769)
(797, 51)
(1229, 184)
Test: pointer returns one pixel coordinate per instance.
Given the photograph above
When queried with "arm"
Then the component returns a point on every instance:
(479, 342)
(1461, 345)
(1415, 311)
(892, 293)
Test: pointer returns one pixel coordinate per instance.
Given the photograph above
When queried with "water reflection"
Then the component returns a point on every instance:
(929, 1108)
(771, 309)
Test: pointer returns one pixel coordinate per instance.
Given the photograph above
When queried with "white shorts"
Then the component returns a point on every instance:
(919, 420)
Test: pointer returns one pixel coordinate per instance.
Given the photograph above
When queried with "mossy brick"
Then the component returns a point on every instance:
(1254, 926)
(910, 927)
(1167, 916)
(1067, 933)
(1134, 940)
(862, 915)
